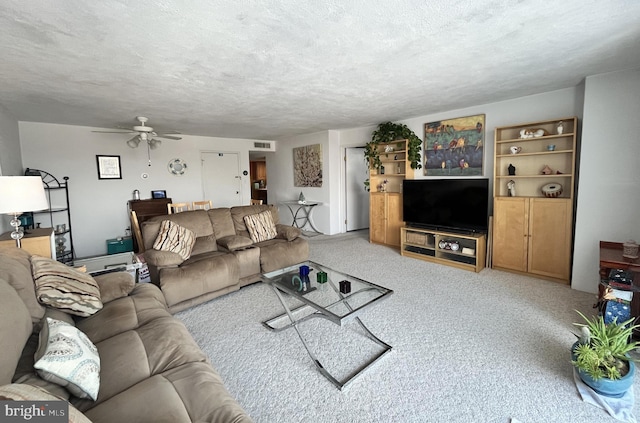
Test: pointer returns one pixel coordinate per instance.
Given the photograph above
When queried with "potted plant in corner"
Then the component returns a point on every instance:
(601, 355)
(387, 133)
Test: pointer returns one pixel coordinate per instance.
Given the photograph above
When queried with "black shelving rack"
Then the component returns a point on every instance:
(52, 184)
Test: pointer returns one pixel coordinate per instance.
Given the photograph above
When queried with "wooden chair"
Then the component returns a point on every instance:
(135, 226)
(202, 205)
(177, 207)
(255, 202)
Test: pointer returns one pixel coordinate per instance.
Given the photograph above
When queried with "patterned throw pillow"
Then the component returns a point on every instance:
(64, 288)
(24, 392)
(175, 238)
(260, 226)
(67, 357)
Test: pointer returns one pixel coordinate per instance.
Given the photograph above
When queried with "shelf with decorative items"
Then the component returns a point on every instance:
(450, 248)
(534, 185)
(393, 166)
(58, 213)
(534, 157)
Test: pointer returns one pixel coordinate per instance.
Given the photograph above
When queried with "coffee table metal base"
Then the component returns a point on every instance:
(341, 384)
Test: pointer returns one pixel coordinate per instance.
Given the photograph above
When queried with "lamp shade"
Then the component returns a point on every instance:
(20, 194)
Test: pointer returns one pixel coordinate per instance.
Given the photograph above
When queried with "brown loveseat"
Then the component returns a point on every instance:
(223, 259)
(151, 369)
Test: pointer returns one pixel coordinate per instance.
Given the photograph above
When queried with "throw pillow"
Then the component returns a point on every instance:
(64, 288)
(67, 357)
(115, 285)
(260, 226)
(175, 238)
(24, 392)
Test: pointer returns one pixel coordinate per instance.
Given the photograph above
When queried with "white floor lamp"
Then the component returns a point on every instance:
(19, 194)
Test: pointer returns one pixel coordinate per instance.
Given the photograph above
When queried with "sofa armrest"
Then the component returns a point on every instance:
(114, 285)
(234, 242)
(159, 258)
(287, 232)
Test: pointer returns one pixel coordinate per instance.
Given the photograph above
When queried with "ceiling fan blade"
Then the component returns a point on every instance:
(171, 132)
(115, 132)
(170, 137)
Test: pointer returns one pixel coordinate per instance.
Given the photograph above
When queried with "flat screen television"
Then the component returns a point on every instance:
(446, 204)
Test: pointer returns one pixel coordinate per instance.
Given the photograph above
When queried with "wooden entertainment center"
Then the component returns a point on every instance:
(463, 251)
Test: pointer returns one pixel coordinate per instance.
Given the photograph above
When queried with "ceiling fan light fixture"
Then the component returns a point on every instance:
(154, 143)
(134, 142)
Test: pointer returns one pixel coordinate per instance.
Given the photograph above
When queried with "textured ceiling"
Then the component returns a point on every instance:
(269, 69)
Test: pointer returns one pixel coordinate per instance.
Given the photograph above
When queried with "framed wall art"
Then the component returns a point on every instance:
(454, 147)
(109, 167)
(307, 166)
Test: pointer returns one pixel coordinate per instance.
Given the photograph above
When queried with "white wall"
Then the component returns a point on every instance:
(550, 105)
(99, 207)
(10, 159)
(280, 177)
(609, 190)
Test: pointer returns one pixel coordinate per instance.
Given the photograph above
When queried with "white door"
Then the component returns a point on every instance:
(221, 181)
(357, 197)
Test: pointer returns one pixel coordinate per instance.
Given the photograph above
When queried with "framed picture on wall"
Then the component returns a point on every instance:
(454, 147)
(109, 167)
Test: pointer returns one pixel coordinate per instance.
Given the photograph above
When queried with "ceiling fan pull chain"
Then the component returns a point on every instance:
(149, 154)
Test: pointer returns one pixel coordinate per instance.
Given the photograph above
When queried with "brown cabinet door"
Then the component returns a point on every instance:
(377, 217)
(550, 237)
(394, 218)
(510, 229)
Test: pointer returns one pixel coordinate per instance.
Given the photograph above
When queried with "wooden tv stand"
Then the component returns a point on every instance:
(424, 244)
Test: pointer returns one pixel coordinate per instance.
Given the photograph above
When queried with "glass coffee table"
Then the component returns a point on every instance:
(341, 299)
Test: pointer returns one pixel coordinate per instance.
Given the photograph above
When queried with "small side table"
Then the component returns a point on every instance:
(302, 213)
(611, 258)
(38, 241)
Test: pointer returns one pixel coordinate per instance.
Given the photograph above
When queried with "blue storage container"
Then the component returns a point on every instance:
(119, 245)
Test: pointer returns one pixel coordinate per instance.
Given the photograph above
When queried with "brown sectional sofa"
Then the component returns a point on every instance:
(223, 259)
(151, 369)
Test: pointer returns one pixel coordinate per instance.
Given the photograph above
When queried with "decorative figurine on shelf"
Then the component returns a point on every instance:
(515, 149)
(546, 170)
(511, 187)
(381, 170)
(388, 149)
(533, 133)
(560, 128)
(301, 199)
(512, 170)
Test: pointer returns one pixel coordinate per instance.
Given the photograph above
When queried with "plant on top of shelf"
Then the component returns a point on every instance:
(387, 133)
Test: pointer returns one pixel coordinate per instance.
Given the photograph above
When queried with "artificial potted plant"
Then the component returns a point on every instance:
(387, 133)
(601, 355)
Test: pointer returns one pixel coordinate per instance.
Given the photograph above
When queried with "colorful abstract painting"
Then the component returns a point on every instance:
(454, 147)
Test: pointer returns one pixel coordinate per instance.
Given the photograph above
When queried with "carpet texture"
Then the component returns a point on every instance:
(467, 347)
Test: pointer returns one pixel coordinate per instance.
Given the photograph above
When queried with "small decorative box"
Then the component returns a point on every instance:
(321, 277)
(345, 287)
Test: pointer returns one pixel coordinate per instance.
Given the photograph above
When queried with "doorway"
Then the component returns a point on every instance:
(221, 182)
(356, 196)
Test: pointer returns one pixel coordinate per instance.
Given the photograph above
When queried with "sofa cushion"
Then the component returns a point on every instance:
(260, 226)
(238, 213)
(15, 330)
(67, 357)
(162, 258)
(15, 268)
(222, 222)
(204, 244)
(65, 288)
(278, 253)
(24, 392)
(192, 392)
(235, 242)
(175, 238)
(115, 285)
(194, 220)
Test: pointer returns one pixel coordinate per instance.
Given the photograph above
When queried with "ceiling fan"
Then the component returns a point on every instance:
(144, 133)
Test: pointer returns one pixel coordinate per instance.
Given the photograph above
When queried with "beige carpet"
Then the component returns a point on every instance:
(467, 347)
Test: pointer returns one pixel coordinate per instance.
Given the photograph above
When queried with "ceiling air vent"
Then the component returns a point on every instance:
(264, 145)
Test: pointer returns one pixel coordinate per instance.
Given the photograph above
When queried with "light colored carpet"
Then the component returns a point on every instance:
(467, 347)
